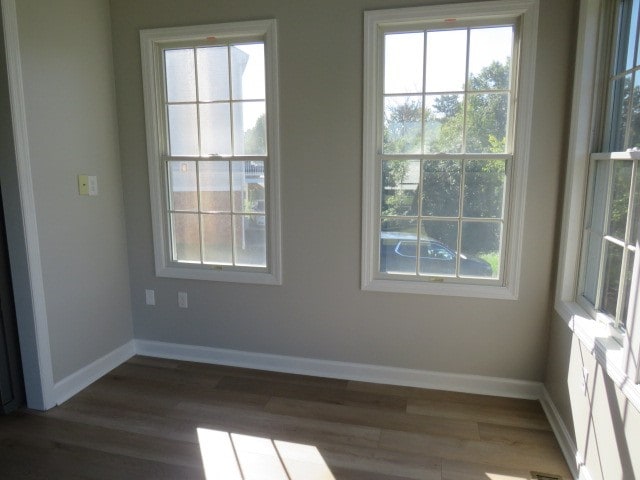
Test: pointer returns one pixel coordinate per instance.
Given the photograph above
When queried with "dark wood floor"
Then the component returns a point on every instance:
(161, 419)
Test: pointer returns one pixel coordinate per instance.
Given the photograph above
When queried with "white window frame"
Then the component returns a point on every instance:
(525, 13)
(152, 42)
(619, 357)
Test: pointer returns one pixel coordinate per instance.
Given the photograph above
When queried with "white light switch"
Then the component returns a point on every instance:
(93, 185)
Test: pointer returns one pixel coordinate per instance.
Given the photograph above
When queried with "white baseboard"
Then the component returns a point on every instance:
(571, 454)
(503, 387)
(74, 383)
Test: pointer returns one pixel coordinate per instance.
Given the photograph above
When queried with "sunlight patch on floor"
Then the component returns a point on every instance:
(234, 456)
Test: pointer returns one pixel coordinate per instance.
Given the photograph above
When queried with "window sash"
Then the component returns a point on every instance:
(594, 275)
(466, 92)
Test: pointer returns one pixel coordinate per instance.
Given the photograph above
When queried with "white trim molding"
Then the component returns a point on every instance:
(34, 336)
(503, 387)
(77, 381)
(572, 456)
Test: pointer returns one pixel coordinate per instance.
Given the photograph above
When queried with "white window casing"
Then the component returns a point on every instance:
(154, 44)
(522, 15)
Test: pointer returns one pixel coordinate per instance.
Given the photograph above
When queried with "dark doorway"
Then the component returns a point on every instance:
(11, 381)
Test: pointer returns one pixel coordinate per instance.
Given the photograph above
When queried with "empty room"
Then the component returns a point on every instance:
(320, 239)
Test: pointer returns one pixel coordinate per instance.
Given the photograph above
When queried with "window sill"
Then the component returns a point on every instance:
(197, 273)
(608, 353)
(446, 289)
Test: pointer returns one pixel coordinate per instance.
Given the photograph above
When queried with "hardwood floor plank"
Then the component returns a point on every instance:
(320, 393)
(61, 460)
(533, 418)
(373, 418)
(103, 439)
(278, 427)
(444, 396)
(457, 470)
(383, 462)
(522, 457)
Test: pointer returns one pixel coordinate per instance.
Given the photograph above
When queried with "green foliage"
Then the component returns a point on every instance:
(484, 124)
(255, 141)
(403, 132)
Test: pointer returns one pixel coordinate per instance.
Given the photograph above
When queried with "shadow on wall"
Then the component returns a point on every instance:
(604, 421)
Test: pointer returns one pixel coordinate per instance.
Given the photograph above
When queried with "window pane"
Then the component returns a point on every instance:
(594, 250)
(249, 128)
(213, 73)
(402, 125)
(185, 232)
(600, 192)
(480, 255)
(396, 255)
(621, 98)
(248, 187)
(443, 123)
(180, 74)
(250, 240)
(183, 194)
(215, 129)
(487, 116)
(490, 58)
(634, 132)
(216, 237)
(438, 247)
(620, 198)
(636, 210)
(441, 188)
(247, 71)
(400, 180)
(403, 59)
(183, 130)
(214, 187)
(628, 33)
(627, 287)
(484, 182)
(611, 278)
(446, 66)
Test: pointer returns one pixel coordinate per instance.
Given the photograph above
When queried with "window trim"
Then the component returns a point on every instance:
(590, 63)
(151, 42)
(524, 11)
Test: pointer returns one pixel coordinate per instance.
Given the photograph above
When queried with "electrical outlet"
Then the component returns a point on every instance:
(182, 300)
(150, 297)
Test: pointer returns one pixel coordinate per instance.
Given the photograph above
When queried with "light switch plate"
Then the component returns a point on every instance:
(83, 184)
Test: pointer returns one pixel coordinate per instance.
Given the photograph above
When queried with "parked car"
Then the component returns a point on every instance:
(398, 255)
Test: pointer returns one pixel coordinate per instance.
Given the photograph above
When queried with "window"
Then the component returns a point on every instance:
(597, 293)
(447, 112)
(211, 112)
(611, 225)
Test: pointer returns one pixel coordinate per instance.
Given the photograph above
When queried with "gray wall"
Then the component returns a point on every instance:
(604, 425)
(320, 311)
(65, 48)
